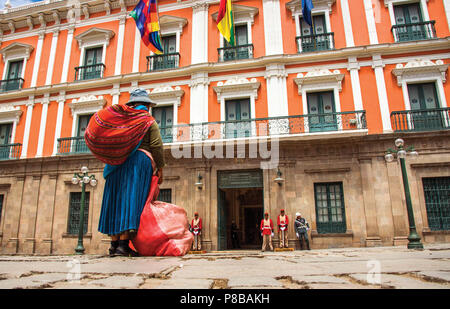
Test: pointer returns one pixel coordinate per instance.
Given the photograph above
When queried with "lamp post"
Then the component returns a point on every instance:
(401, 152)
(83, 179)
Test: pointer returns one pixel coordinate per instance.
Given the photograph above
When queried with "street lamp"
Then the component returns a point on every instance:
(402, 152)
(83, 179)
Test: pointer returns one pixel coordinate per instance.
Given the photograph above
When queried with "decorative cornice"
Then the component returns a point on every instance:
(275, 70)
(94, 34)
(420, 66)
(386, 2)
(15, 48)
(10, 112)
(241, 13)
(237, 84)
(319, 77)
(168, 22)
(295, 6)
(166, 93)
(90, 102)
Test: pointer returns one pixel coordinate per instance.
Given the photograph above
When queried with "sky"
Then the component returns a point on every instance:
(15, 3)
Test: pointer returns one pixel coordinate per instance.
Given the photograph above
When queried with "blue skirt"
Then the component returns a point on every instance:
(126, 191)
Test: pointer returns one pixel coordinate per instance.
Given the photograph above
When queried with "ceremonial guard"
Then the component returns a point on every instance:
(301, 230)
(196, 229)
(282, 223)
(267, 232)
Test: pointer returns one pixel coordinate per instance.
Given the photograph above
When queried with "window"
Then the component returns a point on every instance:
(169, 60)
(2, 197)
(238, 118)
(93, 65)
(437, 200)
(74, 213)
(5, 139)
(165, 195)
(410, 24)
(164, 117)
(242, 50)
(423, 100)
(318, 39)
(14, 78)
(330, 210)
(15, 57)
(322, 105)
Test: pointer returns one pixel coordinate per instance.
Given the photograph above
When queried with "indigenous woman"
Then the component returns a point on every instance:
(127, 184)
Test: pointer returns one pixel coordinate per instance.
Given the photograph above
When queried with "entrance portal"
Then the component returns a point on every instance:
(240, 201)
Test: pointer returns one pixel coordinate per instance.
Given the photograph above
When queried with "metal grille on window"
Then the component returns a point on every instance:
(74, 213)
(437, 201)
(330, 209)
(165, 195)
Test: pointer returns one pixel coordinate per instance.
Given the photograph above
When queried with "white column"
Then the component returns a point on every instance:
(66, 62)
(115, 94)
(137, 50)
(370, 18)
(42, 126)
(423, 4)
(51, 61)
(447, 12)
(277, 103)
(119, 53)
(353, 67)
(26, 135)
(273, 34)
(347, 24)
(199, 33)
(199, 98)
(37, 60)
(382, 93)
(59, 118)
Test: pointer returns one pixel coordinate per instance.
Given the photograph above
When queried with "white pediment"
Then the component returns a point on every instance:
(16, 50)
(166, 94)
(423, 67)
(241, 13)
(94, 35)
(295, 6)
(321, 76)
(87, 104)
(9, 113)
(170, 23)
(237, 85)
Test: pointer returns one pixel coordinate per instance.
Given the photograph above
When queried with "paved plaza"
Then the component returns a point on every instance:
(347, 268)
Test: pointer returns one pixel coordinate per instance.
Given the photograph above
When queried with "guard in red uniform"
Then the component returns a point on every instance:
(196, 229)
(267, 232)
(282, 223)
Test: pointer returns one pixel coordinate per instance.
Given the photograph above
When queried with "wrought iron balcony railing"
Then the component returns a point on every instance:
(412, 32)
(10, 151)
(265, 127)
(11, 84)
(163, 62)
(235, 52)
(316, 42)
(89, 71)
(72, 145)
(421, 120)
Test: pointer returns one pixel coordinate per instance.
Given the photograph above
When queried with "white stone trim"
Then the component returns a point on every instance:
(42, 127)
(66, 63)
(378, 67)
(370, 19)
(85, 105)
(10, 114)
(353, 68)
(26, 134)
(422, 71)
(272, 20)
(348, 30)
(52, 57)
(15, 51)
(200, 46)
(199, 97)
(136, 50)
(316, 78)
(37, 60)
(447, 11)
(59, 118)
(95, 37)
(120, 41)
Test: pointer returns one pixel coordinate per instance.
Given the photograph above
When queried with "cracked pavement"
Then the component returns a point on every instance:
(344, 268)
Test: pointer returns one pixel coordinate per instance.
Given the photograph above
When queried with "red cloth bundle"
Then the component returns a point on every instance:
(114, 132)
(163, 228)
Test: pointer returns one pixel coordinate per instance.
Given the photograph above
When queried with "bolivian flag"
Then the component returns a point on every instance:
(225, 21)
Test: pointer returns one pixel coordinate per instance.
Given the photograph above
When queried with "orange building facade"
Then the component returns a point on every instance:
(331, 98)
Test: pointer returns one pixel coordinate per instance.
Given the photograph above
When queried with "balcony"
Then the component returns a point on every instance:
(235, 52)
(72, 145)
(412, 32)
(317, 42)
(265, 127)
(89, 71)
(163, 62)
(421, 120)
(11, 84)
(10, 151)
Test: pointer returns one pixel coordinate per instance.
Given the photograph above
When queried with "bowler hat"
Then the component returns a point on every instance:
(140, 95)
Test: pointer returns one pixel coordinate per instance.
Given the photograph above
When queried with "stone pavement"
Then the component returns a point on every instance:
(347, 268)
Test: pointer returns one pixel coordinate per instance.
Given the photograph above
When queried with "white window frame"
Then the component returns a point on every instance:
(15, 52)
(390, 5)
(85, 106)
(168, 96)
(93, 38)
(10, 114)
(318, 81)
